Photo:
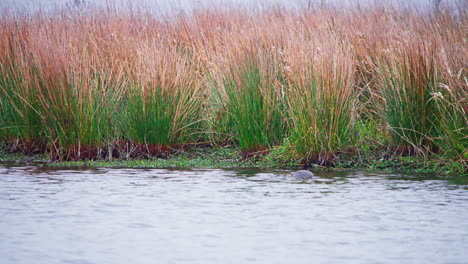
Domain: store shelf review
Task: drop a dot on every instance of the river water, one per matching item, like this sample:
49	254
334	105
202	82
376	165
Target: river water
228	216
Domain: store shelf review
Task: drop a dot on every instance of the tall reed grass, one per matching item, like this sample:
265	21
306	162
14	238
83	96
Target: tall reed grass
410	76
165	103
19	119
254	103
321	98
86	82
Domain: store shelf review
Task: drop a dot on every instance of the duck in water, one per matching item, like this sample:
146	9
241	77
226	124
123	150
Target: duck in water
302	175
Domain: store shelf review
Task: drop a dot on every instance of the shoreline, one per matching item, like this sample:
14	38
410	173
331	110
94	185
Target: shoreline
229	157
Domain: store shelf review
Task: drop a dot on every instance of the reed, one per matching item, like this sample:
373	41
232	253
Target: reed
451	95
254	103
20	122
410	76
452	129
165	103
451	100
56	99
321	98
86	82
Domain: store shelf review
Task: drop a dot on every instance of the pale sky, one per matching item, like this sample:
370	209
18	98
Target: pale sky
33	5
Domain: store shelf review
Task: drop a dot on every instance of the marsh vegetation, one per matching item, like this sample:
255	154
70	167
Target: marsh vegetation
312	83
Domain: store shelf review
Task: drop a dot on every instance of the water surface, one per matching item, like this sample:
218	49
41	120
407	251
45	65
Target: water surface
228	216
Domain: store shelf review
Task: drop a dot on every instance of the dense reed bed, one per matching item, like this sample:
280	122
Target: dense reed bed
95	83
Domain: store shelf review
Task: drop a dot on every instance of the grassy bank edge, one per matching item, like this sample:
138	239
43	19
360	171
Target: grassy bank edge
229	157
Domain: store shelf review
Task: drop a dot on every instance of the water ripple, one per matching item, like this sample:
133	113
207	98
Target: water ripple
228	216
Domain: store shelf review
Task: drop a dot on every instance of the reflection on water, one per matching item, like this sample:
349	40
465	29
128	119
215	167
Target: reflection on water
228	216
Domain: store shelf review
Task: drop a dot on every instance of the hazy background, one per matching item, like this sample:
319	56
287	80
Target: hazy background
187	5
